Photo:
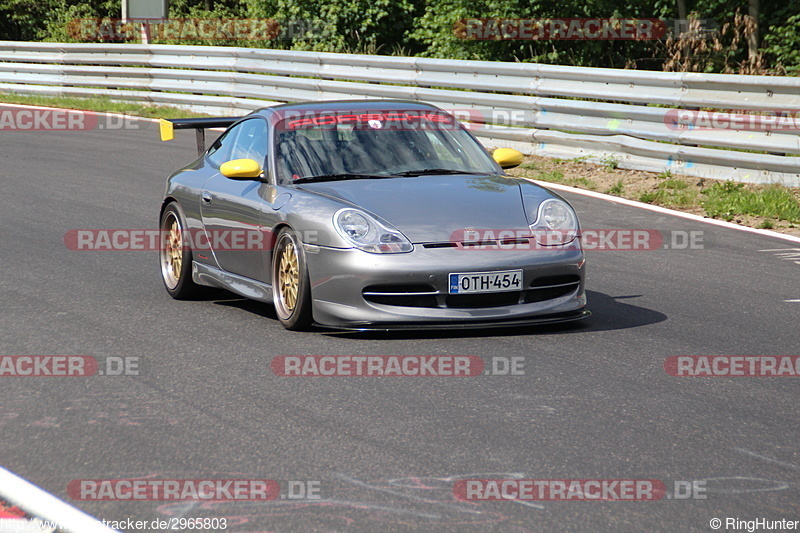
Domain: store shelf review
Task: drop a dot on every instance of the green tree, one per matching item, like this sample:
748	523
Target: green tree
782	45
435	29
378	26
36	20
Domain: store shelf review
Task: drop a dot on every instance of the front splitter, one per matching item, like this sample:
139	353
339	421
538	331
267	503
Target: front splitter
466	325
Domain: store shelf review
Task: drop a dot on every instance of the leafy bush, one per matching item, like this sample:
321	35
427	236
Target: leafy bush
426	28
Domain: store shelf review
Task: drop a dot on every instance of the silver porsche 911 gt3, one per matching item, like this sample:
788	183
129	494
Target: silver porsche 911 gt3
368	215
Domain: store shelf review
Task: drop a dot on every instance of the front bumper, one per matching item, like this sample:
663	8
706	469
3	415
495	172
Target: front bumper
553	288
468	325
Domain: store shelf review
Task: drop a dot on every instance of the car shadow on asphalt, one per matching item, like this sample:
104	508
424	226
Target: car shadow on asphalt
608	313
229	299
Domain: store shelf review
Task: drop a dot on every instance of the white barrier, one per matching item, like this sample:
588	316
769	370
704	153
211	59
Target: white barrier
540	109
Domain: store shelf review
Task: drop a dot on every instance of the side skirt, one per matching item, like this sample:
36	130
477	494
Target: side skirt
214	277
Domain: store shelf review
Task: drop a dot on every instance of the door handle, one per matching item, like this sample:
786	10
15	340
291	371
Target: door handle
206	197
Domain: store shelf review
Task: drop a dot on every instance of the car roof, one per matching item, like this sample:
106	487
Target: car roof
347	105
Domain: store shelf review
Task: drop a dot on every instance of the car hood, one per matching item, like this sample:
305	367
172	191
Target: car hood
435	208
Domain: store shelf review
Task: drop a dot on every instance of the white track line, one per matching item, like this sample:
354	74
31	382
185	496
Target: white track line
765	458
557	186
129	117
132	117
664	210
44	505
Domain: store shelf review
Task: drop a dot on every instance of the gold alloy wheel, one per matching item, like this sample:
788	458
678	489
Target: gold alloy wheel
172	251
290	286
288	277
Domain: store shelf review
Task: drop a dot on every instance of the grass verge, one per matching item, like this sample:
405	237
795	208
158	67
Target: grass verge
727	200
101	104
760	206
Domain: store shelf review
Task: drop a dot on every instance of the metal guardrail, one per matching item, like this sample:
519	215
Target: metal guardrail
551	110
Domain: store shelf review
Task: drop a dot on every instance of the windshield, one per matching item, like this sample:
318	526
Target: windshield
376	144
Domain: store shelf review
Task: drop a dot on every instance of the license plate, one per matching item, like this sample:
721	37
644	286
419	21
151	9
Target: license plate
475	282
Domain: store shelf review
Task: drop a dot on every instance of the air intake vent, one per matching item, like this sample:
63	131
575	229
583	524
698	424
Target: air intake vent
547	288
440	245
402	295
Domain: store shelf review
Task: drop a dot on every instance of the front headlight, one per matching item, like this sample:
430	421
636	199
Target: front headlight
556	223
367	233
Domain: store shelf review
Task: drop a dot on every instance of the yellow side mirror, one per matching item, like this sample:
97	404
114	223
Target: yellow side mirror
507	157
240	168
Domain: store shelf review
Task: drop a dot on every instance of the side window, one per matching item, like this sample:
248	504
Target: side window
221	149
246	140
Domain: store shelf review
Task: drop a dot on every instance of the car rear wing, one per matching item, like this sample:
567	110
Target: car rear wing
200	125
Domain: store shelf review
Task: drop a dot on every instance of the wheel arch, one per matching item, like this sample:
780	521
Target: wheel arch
168	200
300	316
273	239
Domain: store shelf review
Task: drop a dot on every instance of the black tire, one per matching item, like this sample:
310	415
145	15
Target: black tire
175	256
291	290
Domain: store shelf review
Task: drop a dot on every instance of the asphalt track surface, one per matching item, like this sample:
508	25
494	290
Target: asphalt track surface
595	401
